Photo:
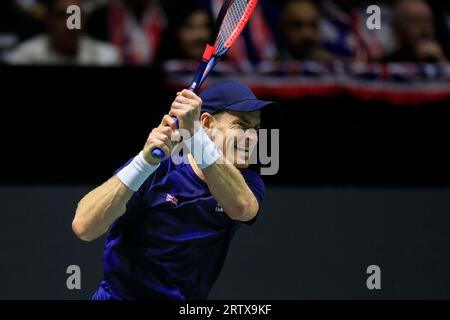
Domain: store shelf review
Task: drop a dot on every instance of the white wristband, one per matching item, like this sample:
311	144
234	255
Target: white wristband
204	151
136	172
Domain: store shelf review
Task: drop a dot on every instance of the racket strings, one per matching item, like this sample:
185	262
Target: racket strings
234	21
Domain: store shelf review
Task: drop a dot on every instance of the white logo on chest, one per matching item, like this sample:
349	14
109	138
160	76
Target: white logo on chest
219	209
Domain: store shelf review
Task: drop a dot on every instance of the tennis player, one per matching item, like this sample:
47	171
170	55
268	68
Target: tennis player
170	222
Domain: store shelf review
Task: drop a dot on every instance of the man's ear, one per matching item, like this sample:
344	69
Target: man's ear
207	121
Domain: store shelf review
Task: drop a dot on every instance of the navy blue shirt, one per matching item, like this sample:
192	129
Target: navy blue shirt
173	239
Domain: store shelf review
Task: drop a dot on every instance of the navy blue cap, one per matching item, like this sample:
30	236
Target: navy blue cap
231	95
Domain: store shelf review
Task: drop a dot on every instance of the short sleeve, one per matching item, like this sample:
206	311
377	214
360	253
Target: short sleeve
256	184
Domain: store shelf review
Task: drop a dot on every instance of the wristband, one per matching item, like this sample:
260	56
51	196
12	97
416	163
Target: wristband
136	172
204	151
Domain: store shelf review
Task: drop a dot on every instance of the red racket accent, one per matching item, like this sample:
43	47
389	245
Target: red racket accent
234	22
209	52
242	22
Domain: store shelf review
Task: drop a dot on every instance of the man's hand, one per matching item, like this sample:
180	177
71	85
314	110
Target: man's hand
164	137
186	107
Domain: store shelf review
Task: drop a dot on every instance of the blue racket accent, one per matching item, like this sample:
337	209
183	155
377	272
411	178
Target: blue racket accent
209	67
201	72
158	153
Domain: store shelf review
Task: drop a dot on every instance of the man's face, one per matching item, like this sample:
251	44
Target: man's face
236	134
415	23
300	28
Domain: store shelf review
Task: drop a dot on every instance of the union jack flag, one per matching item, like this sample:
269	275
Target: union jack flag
171	199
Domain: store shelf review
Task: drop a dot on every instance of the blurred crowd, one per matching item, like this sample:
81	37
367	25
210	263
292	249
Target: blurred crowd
143	32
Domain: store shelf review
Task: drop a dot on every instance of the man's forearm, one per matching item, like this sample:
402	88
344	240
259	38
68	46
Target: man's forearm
229	188
100	208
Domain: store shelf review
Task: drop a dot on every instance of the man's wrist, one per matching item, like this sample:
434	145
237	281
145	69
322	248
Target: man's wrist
203	150
149	158
136	172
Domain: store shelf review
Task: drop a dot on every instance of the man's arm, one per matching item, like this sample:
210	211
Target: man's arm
100	208
229	188
97	211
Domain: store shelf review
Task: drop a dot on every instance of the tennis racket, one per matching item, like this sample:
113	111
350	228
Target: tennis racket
230	23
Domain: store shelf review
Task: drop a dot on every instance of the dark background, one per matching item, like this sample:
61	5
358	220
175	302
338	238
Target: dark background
309	243
360	183
77	125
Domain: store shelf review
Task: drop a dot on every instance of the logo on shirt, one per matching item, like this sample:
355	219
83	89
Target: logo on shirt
173	200
219	209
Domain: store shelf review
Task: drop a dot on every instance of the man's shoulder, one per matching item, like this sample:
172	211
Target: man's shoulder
253	179
251	173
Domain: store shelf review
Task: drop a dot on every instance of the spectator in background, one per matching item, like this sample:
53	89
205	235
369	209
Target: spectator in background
61	45
441	10
344	32
136	27
300	31
190	26
415	33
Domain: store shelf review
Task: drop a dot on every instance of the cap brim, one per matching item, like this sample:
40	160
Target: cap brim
250	105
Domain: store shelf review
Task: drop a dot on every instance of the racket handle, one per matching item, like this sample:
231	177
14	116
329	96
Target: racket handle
157	152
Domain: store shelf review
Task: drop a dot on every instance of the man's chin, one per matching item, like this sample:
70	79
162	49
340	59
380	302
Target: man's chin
242	166
240	161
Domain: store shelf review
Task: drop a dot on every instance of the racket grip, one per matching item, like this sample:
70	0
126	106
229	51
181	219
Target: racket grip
157	152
